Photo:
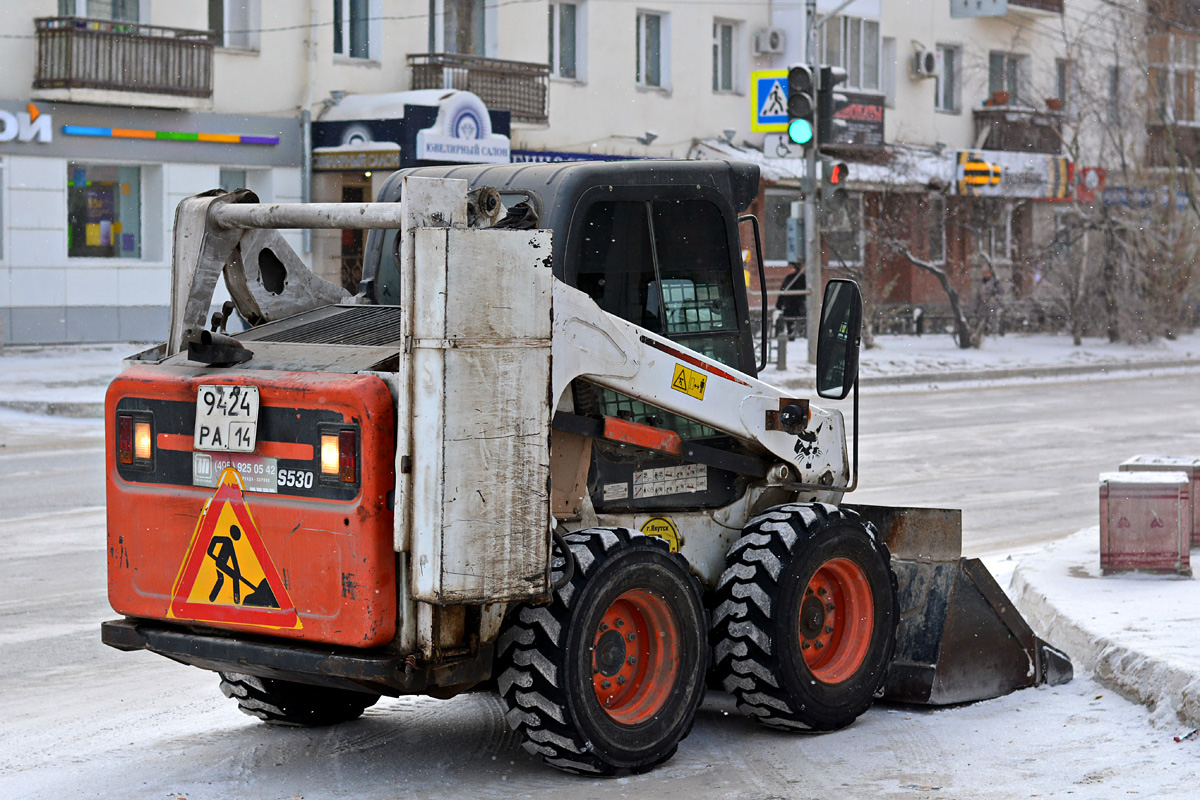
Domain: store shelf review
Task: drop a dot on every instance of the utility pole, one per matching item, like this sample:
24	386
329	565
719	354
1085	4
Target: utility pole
811	187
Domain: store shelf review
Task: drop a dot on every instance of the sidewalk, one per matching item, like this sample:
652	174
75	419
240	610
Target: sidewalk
1144	644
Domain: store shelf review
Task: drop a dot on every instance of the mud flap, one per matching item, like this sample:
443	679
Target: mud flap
959	637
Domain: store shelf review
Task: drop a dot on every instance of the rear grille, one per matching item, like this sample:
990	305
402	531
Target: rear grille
368	326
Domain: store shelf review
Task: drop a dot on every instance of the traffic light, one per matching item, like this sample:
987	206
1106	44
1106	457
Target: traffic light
829	103
801	104
834	175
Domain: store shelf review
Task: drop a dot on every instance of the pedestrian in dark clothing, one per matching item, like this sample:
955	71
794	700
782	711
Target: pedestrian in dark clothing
792	307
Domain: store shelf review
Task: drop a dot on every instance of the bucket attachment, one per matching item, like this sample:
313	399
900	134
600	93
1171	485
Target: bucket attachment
959	637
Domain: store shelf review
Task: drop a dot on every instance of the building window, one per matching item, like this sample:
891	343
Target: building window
854	44
232	179
1115	96
122	10
466	24
1	210
842	232
937	228
889	71
1009	72
1066	82
653	56
777	210
565	30
723	56
995	237
104	211
1173	61
352	28
234	23
947	90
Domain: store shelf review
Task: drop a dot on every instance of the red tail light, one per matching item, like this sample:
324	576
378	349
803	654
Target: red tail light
125	439
348	456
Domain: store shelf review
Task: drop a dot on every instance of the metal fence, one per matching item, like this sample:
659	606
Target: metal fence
516	86
81	53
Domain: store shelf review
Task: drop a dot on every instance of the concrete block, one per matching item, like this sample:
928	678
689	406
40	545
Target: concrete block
1145	522
1187	464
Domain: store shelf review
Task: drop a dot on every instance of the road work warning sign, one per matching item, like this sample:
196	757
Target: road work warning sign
227	575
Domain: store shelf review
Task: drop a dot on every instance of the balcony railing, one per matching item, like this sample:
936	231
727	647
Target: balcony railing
1019	129
514	86
79	53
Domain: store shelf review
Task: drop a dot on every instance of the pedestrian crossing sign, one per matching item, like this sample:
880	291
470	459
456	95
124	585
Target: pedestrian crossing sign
768	96
227	575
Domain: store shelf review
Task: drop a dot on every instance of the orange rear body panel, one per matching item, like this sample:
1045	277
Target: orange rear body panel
294	557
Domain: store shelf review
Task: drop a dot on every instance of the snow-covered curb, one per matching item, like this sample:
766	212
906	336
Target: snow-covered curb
1136	634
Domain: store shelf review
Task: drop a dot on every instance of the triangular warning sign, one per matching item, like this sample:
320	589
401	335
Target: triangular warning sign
775	103
227	575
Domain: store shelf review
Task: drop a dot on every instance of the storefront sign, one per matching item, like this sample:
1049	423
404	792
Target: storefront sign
995	173
352	160
463	133
863	116
26	126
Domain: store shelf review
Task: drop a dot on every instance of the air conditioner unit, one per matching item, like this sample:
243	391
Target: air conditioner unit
926	64
769	41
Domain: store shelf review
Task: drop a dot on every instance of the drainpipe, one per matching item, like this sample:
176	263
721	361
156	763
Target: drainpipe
310	89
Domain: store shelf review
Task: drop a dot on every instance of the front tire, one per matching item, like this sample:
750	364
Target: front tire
607	679
805	619
297	704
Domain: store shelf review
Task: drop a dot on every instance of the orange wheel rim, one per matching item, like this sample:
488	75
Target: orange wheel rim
836	620
635	657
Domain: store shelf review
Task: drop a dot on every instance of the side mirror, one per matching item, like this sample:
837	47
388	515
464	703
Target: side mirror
838	339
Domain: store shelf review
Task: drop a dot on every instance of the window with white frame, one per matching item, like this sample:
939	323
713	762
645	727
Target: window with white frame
842	232
653	49
566	40
120	10
937	228
356	31
995	235
1174	58
854	44
104	211
1009	72
1066	80
947	88
234	23
724	58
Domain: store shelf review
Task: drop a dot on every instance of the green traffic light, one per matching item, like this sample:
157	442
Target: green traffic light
800	131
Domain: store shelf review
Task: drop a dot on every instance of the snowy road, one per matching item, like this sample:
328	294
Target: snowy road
81	720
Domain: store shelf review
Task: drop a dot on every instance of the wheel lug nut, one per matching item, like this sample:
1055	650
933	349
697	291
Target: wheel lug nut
620	622
829	606
818	645
620	680
629	637
804	645
631	660
821	591
603	626
605	685
829	629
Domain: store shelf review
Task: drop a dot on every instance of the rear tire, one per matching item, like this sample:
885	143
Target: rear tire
805	619
299	704
606	680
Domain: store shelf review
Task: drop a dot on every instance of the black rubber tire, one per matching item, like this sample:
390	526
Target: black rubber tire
547	656
299	704
758	636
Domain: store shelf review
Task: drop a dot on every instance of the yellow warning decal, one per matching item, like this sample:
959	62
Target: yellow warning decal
662	528
689	381
227	575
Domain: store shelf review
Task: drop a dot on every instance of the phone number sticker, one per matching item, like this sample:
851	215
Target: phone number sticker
259	473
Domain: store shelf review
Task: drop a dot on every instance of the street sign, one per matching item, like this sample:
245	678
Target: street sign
777	145
768	99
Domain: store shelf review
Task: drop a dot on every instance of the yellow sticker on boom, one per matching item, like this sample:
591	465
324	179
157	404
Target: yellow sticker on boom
689	381
662	528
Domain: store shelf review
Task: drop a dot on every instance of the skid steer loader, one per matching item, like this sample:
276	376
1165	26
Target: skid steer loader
530	455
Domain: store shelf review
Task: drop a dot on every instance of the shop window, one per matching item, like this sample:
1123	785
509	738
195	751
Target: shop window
842	232
121	10
234	23
104	211
854	44
947	91
653	56
566	40
354	22
724	36
777	209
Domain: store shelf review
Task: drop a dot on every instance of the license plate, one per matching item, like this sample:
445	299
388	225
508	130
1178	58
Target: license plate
259	473
226	418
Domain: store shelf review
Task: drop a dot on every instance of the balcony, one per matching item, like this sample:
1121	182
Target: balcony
122	63
1018	129
515	86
